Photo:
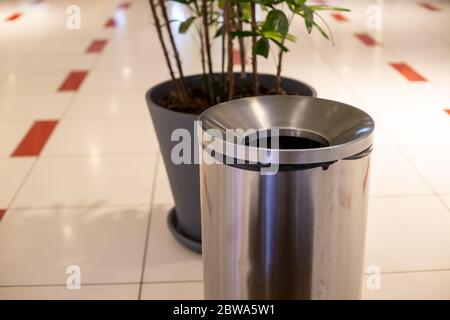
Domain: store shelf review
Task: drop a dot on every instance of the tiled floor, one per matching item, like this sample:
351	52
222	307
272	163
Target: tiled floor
95	193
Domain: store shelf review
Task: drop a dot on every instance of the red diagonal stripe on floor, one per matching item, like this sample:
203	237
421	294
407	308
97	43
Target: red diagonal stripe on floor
14	16
408	72
366	39
448	111
111	23
124	5
2	213
35	139
73	81
338	16
429	6
237	57
96	46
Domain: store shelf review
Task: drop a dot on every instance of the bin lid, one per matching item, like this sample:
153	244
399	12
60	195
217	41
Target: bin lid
332	130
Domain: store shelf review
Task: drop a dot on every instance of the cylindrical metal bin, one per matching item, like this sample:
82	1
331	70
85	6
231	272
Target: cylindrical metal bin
296	231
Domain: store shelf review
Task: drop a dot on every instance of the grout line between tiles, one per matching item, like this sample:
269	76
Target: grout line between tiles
147	233
71	207
63	285
92	284
22	183
410	271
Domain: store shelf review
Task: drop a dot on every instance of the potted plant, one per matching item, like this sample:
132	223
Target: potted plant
176	103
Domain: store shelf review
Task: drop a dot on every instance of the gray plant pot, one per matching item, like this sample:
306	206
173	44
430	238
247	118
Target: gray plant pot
184	220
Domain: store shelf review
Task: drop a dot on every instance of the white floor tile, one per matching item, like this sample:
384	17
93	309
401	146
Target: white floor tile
12	173
57	62
163	193
37	246
386	176
103	136
446	199
111	104
173	291
9	62
431	285
34	106
11	134
168	260
88	181
408	234
30	82
97	292
432	162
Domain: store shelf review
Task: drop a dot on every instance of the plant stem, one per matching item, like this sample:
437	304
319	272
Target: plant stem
223	57
240	16
254	61
202	52
278	81
280	62
175	51
163	45
228	30
208	50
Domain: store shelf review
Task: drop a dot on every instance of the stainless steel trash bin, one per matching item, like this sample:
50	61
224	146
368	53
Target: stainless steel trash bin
297	233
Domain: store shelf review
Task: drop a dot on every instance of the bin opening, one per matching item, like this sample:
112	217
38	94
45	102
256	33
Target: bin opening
287	139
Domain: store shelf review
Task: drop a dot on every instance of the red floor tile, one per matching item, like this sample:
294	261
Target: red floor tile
14	16
366	39
237	57
111	23
408	72
124	5
96	46
35	139
73	81
2	213
448	111
338	17
429	6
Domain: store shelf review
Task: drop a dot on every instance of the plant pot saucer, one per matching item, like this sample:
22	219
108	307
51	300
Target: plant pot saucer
176	231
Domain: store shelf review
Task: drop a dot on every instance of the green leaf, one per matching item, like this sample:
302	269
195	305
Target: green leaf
262	47
322	31
219	32
242	34
276	21
184	26
273	35
186	2
291	37
280	45
325	7
309	18
296	3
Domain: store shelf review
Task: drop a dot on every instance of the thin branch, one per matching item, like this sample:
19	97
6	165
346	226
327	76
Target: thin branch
164	47
202	52
280	62
254	61
228	30
240	16
208	50
175	50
